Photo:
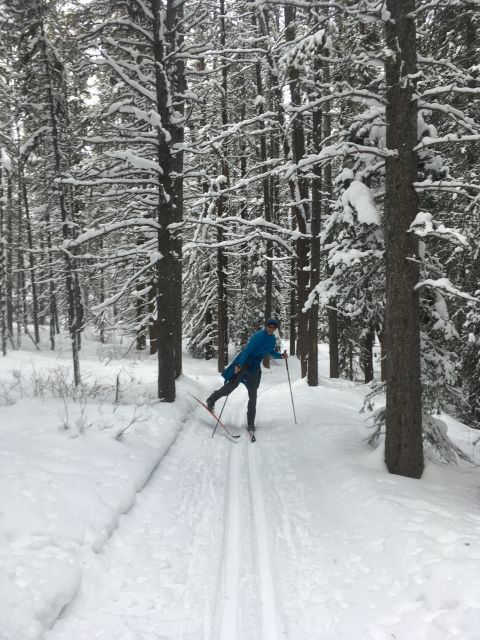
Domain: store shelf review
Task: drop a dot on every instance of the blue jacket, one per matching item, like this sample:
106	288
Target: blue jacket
259	346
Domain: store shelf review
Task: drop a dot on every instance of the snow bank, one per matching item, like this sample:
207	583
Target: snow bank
67	476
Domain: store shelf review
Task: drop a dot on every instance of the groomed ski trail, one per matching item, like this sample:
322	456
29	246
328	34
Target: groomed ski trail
191	560
272	627
246	546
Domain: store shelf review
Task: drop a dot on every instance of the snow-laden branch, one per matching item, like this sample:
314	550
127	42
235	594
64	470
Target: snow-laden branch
456	114
28	145
128	24
452	88
362	94
229	220
444	285
424	225
95	182
137	162
235	242
92	234
445	185
109	301
136	86
337	151
427	141
232	129
443	4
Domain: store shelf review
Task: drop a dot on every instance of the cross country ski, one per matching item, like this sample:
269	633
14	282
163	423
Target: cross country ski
228	432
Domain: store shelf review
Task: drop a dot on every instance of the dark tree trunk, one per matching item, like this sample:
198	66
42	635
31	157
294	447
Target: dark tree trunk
31	261
209	351
3	264
141	311
403	444
9	257
166	267
293	308
102	298
222	314
380	336
333	336
367	355
312	375
267	207
334	356
300	193
174	16
65	216
222	317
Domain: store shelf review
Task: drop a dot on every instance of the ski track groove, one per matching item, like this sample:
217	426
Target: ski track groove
272	627
229	581
245	508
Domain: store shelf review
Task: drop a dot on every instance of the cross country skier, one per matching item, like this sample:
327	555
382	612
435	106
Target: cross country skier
246	368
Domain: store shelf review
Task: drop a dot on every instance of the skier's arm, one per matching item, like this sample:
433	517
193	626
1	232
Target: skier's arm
243	355
277	355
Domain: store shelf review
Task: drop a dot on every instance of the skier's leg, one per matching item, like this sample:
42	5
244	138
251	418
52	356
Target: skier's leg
227	388
252	382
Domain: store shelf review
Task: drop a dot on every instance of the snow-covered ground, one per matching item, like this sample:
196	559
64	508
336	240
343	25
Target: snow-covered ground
126	521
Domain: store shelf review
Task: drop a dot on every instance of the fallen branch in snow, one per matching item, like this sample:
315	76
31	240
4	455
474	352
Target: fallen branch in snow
133	421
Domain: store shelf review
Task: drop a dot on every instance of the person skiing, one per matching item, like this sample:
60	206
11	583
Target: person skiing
246	368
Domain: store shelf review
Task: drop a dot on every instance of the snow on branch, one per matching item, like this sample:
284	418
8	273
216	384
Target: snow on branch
450	137
33	140
455	186
136	86
92	234
425	225
451	88
109	301
356	94
337	151
224	222
235	242
441	4
135	161
232	129
359	197
444	285
117	22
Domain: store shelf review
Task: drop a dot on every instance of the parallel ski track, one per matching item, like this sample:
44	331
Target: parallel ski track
229	604
272	628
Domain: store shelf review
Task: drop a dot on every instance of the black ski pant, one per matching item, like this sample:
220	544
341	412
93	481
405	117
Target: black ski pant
252	382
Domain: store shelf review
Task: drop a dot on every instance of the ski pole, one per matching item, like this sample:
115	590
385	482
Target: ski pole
220	416
291	394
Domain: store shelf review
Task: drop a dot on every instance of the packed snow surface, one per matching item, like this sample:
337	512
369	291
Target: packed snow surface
122	519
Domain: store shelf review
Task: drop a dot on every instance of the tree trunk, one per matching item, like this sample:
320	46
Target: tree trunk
333	346
267	206
367	355
66	220
300	197
403	444
174	16
380	335
333	337
9	256
166	268
222	315
31	261
3	264
293	308
312	375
